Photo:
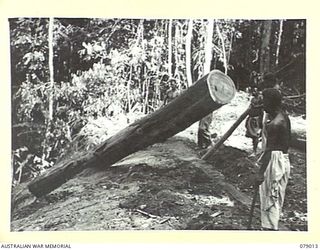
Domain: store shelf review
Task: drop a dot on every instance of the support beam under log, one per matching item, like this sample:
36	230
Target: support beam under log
206	95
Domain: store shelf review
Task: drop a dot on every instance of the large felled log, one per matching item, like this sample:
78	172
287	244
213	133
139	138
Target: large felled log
206	95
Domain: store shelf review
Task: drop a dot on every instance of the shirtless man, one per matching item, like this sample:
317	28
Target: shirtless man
274	162
256	119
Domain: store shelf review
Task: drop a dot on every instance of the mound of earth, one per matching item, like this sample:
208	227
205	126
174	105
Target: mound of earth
167	186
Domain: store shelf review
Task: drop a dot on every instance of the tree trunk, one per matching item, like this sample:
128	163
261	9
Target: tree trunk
50	45
279	42
265	47
206	95
176	52
170	48
146	100
230	47
188	53
225	63
208	47
46	148
129	90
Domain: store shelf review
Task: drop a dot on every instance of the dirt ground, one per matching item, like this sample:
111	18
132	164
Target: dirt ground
166	187
163	187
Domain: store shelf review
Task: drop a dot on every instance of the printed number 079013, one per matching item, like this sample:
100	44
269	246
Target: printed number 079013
308	246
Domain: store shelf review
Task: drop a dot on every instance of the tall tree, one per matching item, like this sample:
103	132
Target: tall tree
225	60
50	45
265	46
189	53
208	47
170	48
279	41
46	146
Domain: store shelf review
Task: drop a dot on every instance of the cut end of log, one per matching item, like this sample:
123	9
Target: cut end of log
221	87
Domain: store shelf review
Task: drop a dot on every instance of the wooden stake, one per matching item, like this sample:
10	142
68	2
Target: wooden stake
254	200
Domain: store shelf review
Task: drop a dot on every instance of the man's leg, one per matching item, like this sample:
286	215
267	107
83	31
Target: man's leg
204	138
204	135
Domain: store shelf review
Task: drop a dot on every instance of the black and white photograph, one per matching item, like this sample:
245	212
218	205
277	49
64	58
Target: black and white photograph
158	124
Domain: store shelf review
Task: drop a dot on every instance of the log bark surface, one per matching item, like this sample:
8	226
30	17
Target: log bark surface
206	95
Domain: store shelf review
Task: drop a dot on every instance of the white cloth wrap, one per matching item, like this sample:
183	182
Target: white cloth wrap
272	190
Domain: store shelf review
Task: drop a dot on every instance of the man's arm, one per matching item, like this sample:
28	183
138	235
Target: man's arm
273	130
